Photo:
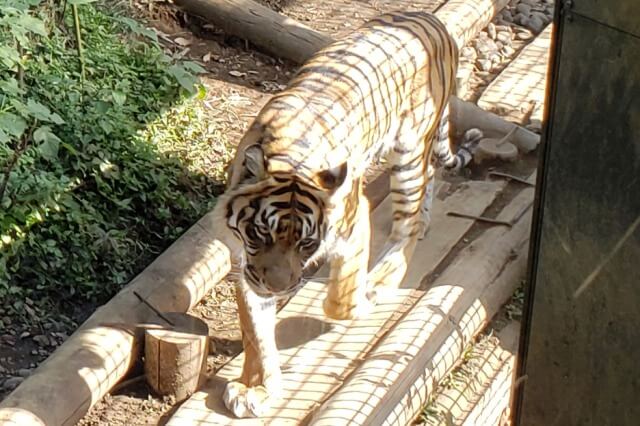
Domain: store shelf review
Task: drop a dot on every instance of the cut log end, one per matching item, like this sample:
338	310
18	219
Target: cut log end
175	359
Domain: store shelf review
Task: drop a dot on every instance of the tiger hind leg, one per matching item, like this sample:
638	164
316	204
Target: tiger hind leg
261	381
347	291
445	157
427	203
409	183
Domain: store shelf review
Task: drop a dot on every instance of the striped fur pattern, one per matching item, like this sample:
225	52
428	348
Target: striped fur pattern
296	185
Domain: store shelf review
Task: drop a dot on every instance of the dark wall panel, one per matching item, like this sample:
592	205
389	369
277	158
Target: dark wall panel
581	352
621	14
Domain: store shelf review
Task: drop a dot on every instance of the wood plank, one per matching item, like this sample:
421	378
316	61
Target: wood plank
523	81
496	398
484	392
401	371
317	353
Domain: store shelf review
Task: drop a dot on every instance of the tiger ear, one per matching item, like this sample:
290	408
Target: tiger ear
331	179
254	162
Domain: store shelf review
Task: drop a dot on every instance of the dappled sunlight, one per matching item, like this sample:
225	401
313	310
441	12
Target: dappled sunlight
524	81
479	393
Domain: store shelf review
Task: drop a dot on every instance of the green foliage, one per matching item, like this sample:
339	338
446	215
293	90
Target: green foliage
88	196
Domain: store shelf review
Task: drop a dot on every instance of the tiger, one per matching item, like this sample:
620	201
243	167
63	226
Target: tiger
295	187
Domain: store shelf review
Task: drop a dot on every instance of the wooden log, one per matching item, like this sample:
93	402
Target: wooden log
175	359
271	31
465	115
484	393
399	374
98	355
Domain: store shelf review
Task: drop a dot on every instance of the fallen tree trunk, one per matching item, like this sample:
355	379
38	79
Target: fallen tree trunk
289	39
271	31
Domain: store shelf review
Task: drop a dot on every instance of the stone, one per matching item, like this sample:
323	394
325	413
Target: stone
507	51
544	18
484	47
483	64
523	8
504	37
524	35
503	28
469	53
24	372
41	340
535	24
507	16
491	30
11	383
521	19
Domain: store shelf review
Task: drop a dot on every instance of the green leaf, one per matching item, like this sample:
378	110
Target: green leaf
39	111
32	24
4	138
186	80
9	56
77	2
119	98
49	143
193	67
138	29
56	119
10	86
12	124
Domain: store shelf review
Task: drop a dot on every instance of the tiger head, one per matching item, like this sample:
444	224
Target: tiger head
281	217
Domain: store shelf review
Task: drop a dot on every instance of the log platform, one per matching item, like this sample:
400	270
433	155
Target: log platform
383	368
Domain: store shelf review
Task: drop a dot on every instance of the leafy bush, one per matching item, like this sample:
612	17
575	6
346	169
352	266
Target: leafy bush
87	195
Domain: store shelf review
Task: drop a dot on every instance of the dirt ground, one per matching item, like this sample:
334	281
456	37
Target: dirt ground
239	80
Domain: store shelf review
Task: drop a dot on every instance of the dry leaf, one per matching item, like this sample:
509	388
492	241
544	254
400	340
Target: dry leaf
182	41
207	57
237	73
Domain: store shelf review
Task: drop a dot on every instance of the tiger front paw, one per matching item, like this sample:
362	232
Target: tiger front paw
244	401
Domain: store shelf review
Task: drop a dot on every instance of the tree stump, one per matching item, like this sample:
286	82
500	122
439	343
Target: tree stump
176	357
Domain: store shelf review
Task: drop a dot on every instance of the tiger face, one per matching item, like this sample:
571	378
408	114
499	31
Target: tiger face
281	221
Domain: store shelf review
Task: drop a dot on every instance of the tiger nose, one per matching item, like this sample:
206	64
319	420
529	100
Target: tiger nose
281	278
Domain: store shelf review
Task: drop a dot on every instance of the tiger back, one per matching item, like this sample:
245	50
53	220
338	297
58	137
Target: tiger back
295	190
